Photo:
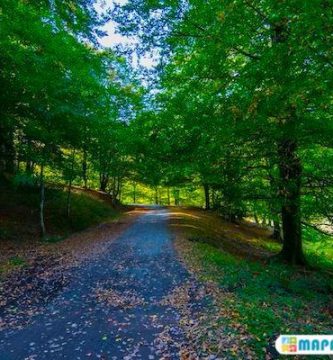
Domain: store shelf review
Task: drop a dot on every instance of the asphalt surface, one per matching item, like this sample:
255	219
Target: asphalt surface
113	306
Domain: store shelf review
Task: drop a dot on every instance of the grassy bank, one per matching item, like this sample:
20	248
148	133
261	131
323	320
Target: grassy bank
19	218
268	298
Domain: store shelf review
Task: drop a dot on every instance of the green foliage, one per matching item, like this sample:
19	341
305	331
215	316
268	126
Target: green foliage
244	104
65	101
185	195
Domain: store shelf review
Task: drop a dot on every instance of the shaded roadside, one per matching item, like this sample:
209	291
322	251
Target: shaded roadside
258	300
26	289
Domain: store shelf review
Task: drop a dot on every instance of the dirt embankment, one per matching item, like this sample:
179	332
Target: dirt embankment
242	240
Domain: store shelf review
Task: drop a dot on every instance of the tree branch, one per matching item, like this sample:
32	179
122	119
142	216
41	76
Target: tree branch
316	228
245	53
256	10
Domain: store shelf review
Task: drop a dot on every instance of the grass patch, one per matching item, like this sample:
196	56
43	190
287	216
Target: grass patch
16	261
53	239
12	263
269	299
19	215
85	211
318	248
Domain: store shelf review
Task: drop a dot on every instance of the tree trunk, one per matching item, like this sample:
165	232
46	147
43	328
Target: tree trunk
134	192
168	196
207	198
256	218
214	199
177	197
42	201
7	149
232	218
104	180
156	196
290	180
289	163
115	190
118	189
84	169
29	167
69	188
276	231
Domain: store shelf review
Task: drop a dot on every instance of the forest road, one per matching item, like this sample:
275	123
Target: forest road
118	305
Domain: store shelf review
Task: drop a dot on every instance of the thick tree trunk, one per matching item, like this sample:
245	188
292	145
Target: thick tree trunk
290	179
207	197
42	201
289	163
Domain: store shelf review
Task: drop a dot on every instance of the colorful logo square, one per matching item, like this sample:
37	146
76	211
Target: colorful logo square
292	348
289	344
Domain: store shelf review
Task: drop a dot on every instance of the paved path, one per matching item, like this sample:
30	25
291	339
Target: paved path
112	308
